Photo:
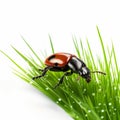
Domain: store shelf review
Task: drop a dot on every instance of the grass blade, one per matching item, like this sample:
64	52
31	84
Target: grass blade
51	44
13	62
103	49
32	50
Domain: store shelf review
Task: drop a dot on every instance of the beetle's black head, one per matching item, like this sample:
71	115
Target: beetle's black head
85	73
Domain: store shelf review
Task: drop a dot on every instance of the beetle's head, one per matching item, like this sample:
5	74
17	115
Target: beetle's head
85	73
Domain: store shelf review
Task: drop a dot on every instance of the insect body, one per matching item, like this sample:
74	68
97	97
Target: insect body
69	64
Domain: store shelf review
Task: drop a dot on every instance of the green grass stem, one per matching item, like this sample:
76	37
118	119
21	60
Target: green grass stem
98	100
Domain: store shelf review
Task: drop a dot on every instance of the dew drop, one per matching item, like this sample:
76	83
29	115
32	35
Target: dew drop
102	110
84	90
59	99
57	102
102	117
110	104
73	102
77	116
47	88
93	94
104	104
86	115
115	109
65	105
115	88
99	104
89	111
96	107
114	113
71	106
100	90
104	95
72	91
110	110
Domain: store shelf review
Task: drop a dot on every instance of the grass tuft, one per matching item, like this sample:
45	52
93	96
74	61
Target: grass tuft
98	100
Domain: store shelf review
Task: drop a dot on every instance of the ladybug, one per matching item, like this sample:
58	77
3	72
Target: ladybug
67	63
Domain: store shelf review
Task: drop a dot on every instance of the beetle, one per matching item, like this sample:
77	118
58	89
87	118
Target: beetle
67	63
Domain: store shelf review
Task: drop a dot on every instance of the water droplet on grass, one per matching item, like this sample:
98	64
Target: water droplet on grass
102	110
89	111
109	103
86	115
71	106
59	99
57	102
84	90
99	104
96	107
65	106
112	107
72	91
115	88
102	117
93	94
100	90
104	104
110	110
77	116
114	113
47	88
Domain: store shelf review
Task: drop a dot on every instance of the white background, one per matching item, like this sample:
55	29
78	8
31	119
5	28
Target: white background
35	19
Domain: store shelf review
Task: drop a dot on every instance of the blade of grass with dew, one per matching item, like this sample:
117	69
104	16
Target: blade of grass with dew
109	84
82	101
26	59
103	49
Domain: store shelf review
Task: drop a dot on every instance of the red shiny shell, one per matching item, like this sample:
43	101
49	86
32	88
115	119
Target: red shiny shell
58	59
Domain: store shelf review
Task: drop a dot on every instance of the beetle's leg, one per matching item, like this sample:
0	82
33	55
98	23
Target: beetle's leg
43	72
62	78
98	72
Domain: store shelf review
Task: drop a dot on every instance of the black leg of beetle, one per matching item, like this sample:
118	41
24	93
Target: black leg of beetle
98	72
62	78
43	73
41	70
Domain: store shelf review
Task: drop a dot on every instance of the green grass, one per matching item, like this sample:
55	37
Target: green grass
98	100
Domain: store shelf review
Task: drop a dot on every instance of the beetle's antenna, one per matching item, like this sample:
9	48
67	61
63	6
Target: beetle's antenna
98	72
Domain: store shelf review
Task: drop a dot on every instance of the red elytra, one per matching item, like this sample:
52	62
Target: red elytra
58	59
